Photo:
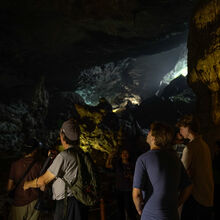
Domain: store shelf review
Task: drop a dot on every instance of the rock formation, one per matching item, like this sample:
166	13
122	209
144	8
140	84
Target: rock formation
204	66
204	59
103	131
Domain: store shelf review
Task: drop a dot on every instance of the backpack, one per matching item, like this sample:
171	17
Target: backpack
85	188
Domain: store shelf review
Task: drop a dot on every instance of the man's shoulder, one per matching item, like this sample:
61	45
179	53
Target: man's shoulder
198	141
18	161
68	153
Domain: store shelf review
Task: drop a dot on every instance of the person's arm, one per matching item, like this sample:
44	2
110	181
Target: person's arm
138	200
51	173
10	185
138	182
108	163
187	160
39	182
184	194
185	187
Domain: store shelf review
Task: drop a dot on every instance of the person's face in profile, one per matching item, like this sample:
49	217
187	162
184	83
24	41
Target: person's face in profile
179	136
184	131
150	138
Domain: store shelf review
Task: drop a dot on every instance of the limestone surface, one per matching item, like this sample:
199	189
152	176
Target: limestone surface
204	58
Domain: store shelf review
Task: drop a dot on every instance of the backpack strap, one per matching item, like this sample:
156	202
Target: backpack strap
67	185
65	201
24	175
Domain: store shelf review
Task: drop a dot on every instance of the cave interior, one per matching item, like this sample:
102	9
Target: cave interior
114	66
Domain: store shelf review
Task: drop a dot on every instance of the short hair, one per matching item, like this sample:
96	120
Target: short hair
163	134
189	121
124	149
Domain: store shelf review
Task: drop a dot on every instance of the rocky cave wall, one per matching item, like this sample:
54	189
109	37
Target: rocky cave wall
204	65
55	39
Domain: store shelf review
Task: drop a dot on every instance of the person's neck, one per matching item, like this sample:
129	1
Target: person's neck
191	137
66	146
154	147
125	161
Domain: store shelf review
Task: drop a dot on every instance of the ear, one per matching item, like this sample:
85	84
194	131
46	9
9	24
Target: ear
61	137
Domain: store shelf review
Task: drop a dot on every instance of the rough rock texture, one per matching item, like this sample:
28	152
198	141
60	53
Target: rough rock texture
171	103
204	66
104	131
40	116
204	58
23	117
58	39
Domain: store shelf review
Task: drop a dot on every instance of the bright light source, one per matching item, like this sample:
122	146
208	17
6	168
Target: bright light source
179	69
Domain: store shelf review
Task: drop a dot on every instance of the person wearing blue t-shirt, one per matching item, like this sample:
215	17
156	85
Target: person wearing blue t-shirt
160	183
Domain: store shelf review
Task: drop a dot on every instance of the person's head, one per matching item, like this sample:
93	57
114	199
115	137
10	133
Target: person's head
69	133
188	126
160	135
124	154
31	146
179	136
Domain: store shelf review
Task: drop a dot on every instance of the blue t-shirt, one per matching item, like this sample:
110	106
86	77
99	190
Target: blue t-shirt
160	175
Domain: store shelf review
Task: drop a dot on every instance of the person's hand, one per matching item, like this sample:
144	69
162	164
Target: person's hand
140	208
26	186
139	212
52	154
108	163
112	155
42	188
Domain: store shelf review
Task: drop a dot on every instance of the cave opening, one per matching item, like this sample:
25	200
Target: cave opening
133	78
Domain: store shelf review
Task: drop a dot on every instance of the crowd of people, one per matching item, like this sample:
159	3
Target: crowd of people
173	180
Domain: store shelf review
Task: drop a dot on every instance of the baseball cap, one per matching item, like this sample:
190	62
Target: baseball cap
70	129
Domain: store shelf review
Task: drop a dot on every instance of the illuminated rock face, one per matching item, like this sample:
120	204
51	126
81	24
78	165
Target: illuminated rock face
103	131
92	135
204	59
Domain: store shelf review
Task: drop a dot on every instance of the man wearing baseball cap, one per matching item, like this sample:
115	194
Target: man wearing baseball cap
65	167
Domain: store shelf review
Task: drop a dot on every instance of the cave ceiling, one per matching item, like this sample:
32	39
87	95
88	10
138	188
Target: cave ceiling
59	39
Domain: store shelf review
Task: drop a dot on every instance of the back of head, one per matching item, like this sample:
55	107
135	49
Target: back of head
189	121
30	146
70	131
163	134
